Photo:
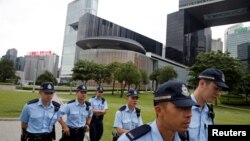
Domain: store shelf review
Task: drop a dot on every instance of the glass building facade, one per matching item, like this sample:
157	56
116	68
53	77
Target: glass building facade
186	38
69	53
235	37
244	55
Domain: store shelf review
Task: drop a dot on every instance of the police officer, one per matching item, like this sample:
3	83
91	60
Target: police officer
99	106
211	83
128	116
172	104
39	116
79	113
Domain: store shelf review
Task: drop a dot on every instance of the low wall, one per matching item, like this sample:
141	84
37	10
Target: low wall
7	87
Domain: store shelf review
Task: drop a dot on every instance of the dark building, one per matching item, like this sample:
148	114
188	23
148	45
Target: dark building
188	29
93	31
244	55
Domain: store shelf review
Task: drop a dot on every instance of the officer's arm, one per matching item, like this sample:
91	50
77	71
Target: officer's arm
24	125
118	123
65	128
88	120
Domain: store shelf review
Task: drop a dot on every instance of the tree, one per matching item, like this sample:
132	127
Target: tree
163	74
45	77
231	68
128	73
83	70
101	74
154	77
166	73
144	77
7	70
113	68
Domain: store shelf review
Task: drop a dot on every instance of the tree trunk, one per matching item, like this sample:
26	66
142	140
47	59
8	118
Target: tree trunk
113	87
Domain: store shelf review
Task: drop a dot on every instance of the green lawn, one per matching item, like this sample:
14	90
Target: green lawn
12	103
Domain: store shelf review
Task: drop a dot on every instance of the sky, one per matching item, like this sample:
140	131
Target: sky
38	25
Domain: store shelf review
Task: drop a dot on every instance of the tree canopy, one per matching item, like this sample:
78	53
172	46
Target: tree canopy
46	77
232	68
7	70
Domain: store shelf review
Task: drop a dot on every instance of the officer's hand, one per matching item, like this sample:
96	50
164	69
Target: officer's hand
66	130
86	128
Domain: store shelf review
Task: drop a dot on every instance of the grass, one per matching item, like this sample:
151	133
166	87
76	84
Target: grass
12	103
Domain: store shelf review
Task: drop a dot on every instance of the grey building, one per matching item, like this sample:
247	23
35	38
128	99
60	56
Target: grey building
235	37
70	51
11	54
103	42
20	62
188	30
243	53
217	44
35	65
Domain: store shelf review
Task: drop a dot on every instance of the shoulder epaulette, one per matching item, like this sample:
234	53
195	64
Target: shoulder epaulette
87	105
103	100
184	136
122	108
33	101
138	132
138	111
71	101
56	105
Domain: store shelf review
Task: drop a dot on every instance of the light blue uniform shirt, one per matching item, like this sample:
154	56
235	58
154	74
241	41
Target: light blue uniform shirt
198	128
76	114
127	120
40	119
152	135
97	103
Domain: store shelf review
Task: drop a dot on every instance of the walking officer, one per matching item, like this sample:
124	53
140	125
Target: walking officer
79	113
99	106
128	116
211	84
172	105
39	116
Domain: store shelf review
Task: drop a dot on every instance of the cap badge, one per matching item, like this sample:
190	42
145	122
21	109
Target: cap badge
135	92
184	90
83	87
223	77
49	86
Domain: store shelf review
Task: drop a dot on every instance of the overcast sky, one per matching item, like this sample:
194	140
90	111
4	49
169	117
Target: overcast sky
38	25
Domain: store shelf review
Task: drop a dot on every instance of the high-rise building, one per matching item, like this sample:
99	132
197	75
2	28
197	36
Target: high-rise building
20	62
235	36
103	42
243	53
188	30
36	64
11	54
217	44
70	51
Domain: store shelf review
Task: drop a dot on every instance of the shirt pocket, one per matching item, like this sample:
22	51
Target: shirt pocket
126	124
194	129
74	115
135	122
53	117
36	119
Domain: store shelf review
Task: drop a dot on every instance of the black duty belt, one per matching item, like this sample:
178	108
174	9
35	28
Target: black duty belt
39	136
76	130
97	117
